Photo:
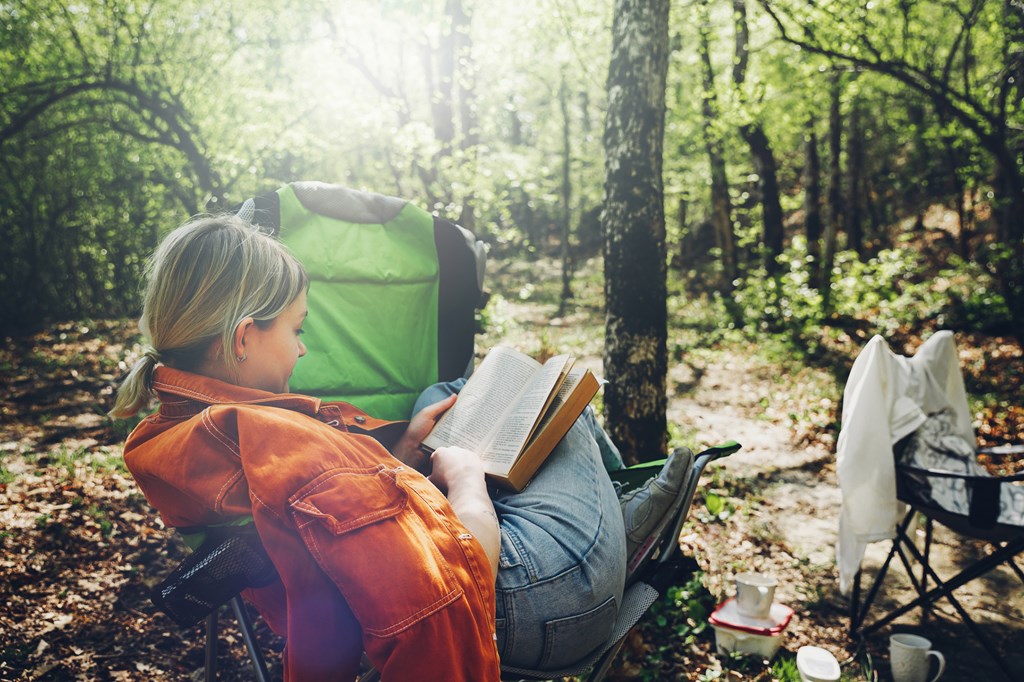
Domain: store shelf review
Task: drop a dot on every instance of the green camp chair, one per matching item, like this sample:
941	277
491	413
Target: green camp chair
391	311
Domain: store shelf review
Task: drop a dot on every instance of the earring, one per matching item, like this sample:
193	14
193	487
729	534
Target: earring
242	357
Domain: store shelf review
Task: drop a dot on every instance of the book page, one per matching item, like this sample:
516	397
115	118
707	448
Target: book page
490	391
505	444
571	379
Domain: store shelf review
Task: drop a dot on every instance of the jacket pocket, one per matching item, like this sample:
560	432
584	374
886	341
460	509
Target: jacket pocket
364	532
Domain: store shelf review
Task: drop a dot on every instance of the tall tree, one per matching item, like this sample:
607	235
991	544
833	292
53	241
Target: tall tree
812	204
754	135
633	221
853	223
566	219
721	205
835	186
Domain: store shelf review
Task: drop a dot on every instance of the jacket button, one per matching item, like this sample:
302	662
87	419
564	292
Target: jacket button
360	419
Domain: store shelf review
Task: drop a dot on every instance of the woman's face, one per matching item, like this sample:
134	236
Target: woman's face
272	351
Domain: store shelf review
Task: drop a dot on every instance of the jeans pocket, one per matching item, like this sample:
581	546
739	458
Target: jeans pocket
568	641
358	525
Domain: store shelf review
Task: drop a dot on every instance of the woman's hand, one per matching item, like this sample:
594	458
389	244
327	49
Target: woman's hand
459	474
454	470
407	449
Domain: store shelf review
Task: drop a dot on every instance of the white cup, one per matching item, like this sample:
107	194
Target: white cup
755	593
908	658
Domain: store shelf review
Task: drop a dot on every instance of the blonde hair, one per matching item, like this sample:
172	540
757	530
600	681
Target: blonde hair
203	280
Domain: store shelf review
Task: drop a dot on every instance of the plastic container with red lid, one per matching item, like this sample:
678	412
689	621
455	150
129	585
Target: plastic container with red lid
758	636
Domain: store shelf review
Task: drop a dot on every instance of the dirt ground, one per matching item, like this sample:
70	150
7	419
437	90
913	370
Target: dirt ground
80	547
790	526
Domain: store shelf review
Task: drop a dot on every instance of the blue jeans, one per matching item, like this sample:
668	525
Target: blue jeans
562	565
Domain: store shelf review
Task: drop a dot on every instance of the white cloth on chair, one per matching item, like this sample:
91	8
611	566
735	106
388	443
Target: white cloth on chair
887	397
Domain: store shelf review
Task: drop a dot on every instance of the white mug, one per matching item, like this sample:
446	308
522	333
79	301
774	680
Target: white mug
908	658
755	593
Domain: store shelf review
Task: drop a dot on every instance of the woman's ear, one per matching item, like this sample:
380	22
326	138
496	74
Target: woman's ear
238	341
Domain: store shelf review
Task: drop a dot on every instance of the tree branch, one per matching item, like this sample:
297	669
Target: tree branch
983	123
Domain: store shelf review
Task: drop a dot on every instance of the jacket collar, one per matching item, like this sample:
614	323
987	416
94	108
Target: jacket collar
184	394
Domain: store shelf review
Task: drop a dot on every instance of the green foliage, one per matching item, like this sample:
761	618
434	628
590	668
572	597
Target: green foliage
784	669
784	303
676	620
68	460
718	507
895	290
103	461
119	119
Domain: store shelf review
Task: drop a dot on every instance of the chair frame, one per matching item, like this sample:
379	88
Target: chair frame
1008	540
658	566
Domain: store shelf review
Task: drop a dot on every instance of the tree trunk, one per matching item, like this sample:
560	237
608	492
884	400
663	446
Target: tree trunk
1008	265
633	221
721	206
768	184
835	189
753	134
566	254
812	205
682	257
853	221
465	77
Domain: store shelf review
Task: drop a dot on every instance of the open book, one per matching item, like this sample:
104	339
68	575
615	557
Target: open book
513	411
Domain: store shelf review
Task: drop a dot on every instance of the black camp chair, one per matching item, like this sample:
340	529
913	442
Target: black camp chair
1007	541
232	559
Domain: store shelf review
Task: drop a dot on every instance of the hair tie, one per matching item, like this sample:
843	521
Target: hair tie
152	354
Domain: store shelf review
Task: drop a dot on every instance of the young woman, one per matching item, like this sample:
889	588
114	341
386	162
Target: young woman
433	577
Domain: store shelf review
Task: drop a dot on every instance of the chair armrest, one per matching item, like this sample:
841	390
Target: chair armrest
1008	449
945	473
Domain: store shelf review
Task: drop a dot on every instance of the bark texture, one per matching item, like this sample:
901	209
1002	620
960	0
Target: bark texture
633	222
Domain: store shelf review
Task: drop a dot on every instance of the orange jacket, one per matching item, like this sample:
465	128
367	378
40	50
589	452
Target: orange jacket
371	555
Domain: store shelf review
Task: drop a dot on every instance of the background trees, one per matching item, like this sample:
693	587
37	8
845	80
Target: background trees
802	144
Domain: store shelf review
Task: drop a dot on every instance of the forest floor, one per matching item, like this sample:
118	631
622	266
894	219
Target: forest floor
80	547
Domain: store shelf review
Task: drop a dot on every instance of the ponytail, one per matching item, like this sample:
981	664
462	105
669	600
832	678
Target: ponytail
136	391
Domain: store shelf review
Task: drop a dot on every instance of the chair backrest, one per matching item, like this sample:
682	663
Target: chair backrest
392	304
937	472
393	293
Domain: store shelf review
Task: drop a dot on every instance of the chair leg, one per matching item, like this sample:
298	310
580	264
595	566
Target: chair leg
211	647
854	604
859	615
1016	569
249	637
945	589
926	607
